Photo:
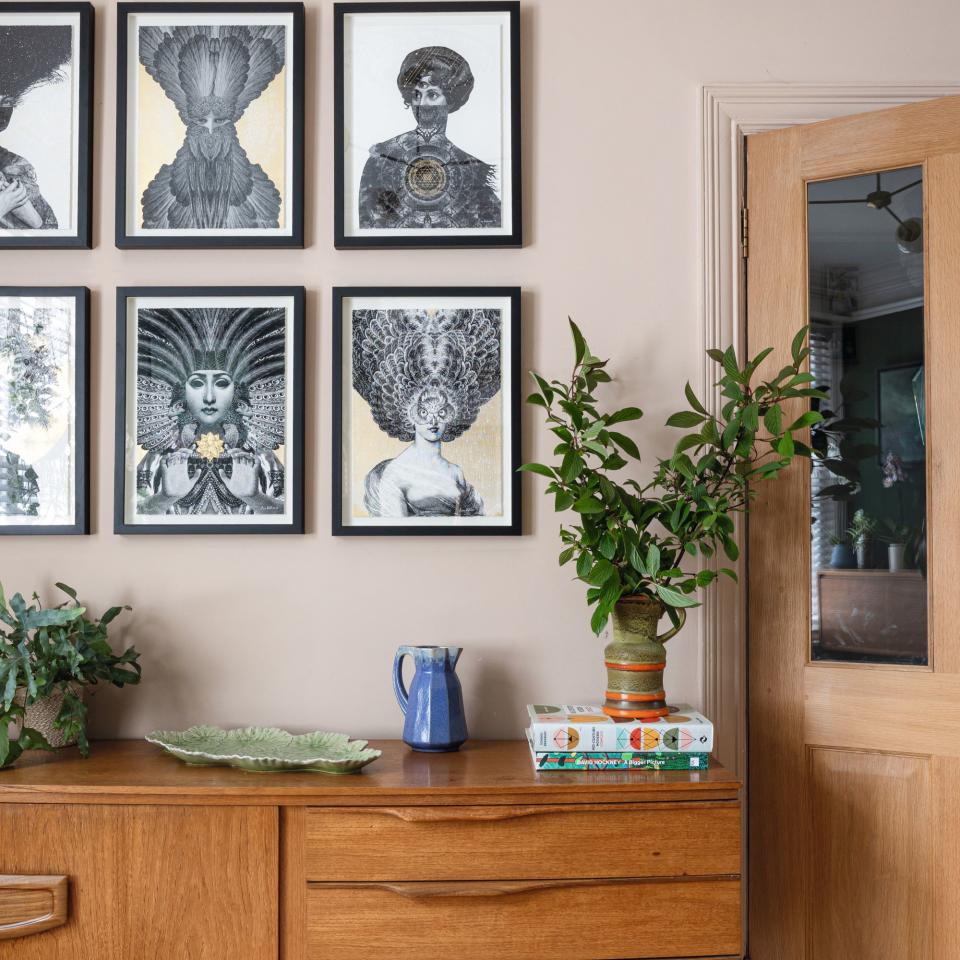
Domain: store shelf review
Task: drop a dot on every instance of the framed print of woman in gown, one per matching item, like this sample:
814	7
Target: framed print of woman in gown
427	124
209	410
46	92
426	410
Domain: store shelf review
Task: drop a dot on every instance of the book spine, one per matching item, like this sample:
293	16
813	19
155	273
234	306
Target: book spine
623	737
556	760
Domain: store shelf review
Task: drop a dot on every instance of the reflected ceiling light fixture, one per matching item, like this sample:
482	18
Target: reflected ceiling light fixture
909	232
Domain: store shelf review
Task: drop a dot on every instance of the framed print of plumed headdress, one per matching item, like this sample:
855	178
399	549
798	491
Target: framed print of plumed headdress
46	124
426	410
209	410
427	124
210	125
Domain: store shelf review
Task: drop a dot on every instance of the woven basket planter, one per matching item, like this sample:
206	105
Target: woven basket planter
39	716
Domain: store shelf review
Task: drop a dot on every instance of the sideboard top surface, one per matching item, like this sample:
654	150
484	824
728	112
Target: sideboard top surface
482	772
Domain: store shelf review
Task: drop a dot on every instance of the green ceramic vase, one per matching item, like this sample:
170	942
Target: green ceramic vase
636	658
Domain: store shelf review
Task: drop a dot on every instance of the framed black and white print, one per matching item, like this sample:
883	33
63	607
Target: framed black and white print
210	125
426	410
427	124
44	410
209	423
46	116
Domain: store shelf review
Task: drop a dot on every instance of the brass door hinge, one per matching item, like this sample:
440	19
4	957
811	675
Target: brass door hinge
744	232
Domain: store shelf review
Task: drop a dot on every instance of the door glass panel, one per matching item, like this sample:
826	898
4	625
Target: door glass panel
868	584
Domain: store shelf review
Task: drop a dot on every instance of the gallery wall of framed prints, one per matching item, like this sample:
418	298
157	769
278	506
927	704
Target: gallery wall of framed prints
427	124
210	115
44	410
426	410
209	418
210	125
46	124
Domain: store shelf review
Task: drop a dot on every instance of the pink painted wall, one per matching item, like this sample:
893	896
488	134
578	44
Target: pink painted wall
300	631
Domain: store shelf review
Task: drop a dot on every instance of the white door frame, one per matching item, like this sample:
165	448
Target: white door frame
728	113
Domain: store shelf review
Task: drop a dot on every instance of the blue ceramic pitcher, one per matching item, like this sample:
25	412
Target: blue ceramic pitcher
434	706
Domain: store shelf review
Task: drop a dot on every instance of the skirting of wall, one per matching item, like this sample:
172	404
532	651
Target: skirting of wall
728	113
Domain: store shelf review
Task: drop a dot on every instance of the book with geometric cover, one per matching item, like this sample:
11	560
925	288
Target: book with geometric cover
577	728
613	760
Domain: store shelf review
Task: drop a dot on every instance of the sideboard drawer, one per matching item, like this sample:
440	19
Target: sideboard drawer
523	842
527	920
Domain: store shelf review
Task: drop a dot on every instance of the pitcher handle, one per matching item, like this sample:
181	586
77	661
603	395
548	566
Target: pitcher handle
673	631
398	688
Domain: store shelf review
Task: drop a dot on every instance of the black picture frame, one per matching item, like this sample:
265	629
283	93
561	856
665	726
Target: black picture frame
126	240
83	239
511	372
478	240
294	479
81	399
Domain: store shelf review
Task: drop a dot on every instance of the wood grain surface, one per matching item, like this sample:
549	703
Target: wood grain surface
149	883
612	840
585	921
484	771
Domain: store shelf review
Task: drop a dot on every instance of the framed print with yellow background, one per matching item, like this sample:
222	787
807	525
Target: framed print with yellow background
209	422
210	125
426	410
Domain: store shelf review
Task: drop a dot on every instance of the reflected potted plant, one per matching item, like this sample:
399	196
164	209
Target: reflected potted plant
861	532
842	556
633	542
48	656
896	536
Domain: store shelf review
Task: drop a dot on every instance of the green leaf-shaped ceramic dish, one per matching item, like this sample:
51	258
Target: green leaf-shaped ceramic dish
265	749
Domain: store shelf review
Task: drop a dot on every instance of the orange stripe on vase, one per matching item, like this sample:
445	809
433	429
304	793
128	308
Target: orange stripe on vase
636	666
636	714
638	697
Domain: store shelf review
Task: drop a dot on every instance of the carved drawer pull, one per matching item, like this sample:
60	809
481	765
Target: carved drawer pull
483	888
461	814
31	904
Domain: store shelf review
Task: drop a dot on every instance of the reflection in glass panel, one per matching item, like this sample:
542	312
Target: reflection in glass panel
869	588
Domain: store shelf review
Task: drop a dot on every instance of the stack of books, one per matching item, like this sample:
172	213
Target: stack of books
585	738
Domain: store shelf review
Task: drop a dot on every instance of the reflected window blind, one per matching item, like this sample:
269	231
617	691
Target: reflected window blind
827	514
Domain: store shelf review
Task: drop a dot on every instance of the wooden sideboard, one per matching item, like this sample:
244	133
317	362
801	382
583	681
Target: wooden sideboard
466	856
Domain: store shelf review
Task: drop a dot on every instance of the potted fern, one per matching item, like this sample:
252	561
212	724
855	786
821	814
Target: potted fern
644	547
48	656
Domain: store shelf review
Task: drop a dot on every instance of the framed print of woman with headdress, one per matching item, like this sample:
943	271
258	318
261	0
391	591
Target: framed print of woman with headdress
426	413
427	124
209	434
46	95
210	125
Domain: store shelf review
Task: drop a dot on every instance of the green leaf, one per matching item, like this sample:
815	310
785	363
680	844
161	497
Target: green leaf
673	597
653	560
751	417
785	446
69	591
540	468
731	549
571	467
589	504
730	363
599	620
685	418
693	400
797	345
625	443
579	344
621	416
608	546
584	565
602	571
773	420
545	387
563	501
805	420
536	400
566	555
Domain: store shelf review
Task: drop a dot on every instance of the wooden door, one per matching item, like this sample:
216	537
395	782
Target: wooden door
854	763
